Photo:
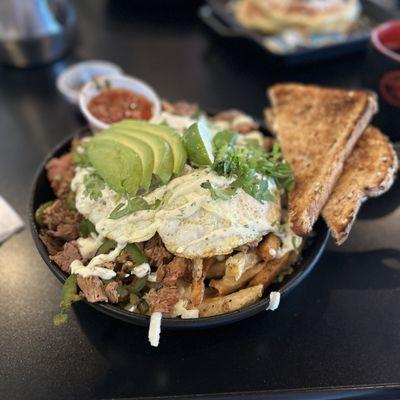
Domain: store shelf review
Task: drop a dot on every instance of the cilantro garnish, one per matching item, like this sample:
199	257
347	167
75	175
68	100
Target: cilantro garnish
132	205
94	184
223	194
81	159
252	168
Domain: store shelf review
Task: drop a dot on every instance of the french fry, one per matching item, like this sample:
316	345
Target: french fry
271	270
216	270
269	247
234	301
228	284
197	292
236	265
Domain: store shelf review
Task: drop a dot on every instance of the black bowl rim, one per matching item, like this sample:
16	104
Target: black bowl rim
318	245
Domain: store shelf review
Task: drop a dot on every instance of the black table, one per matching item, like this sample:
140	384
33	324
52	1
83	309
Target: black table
336	335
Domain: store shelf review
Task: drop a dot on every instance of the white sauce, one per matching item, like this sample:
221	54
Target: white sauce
141	270
88	246
290	241
93	268
152	277
85	271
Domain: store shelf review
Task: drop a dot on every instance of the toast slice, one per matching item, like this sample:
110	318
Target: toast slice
317	129
368	172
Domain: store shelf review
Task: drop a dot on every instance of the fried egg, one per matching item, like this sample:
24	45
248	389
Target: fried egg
189	221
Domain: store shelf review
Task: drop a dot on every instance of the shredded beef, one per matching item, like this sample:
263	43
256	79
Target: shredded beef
111	292
92	288
245	127
241	127
62	222
177	268
64	258
60	172
227	115
156	252
182	108
53	245
164	299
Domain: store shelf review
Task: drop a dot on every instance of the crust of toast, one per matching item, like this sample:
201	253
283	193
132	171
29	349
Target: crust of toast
317	129
368	172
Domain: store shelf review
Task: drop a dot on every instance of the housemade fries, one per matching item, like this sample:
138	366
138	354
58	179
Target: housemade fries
197	292
229	284
231	302
267	275
216	270
269	247
239	263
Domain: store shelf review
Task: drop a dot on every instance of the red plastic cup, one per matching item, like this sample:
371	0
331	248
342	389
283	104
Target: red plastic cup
382	74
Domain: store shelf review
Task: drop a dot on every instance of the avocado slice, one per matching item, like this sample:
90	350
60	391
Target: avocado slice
143	150
163	157
165	133
117	164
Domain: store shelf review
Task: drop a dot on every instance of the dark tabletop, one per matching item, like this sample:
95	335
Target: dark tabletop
339	330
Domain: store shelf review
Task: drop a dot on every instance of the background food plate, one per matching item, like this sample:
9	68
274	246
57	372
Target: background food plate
42	192
217	15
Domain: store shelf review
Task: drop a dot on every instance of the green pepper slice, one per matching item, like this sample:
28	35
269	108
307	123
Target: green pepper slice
106	247
139	285
143	307
86	228
70	201
68	296
39	213
135	254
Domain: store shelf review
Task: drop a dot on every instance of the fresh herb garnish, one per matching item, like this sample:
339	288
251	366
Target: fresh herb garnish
252	168
81	159
68	296
133	204
94	184
222	194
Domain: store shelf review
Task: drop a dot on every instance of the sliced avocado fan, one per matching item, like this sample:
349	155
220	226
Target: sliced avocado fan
143	150
119	166
164	132
163	157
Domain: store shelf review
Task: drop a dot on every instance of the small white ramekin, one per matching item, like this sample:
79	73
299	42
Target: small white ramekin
126	82
73	79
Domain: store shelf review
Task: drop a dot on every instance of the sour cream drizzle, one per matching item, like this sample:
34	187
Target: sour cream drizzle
93	268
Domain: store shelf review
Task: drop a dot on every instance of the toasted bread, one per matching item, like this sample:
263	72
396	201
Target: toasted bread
368	172
317	129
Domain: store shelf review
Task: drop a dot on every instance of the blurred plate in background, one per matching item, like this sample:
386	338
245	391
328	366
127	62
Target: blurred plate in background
218	16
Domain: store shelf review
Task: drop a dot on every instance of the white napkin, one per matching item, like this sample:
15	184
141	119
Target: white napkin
10	221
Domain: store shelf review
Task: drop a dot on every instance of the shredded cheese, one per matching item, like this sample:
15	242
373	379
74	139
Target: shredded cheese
274	300
155	328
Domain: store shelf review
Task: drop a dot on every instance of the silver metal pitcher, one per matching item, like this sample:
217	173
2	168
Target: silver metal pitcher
35	32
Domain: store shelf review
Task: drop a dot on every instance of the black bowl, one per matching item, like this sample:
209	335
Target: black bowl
42	192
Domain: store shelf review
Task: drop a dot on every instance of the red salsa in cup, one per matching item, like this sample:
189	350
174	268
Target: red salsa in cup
116	104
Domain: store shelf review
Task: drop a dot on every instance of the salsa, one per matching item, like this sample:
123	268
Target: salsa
113	105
